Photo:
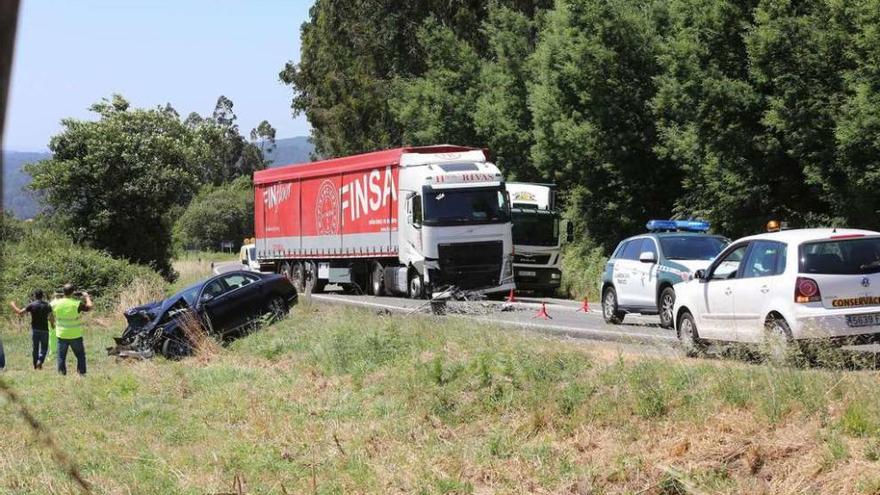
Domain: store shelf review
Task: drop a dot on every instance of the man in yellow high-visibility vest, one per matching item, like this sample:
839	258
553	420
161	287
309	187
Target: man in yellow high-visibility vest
68	327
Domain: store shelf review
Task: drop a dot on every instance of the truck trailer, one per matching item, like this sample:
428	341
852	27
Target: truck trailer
413	221
537	236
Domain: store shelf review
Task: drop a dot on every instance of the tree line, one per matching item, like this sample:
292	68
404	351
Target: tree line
733	111
126	182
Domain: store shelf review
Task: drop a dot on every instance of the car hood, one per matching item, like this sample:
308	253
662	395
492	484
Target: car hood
690	265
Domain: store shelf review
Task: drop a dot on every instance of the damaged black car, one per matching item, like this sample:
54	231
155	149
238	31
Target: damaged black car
225	306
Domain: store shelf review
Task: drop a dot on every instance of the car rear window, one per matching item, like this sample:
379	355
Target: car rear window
841	256
691	247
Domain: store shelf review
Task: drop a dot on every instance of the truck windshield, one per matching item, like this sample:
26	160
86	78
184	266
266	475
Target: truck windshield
691	247
464	206
535	227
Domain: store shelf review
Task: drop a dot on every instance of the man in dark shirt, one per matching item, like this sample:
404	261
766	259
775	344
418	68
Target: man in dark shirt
41	316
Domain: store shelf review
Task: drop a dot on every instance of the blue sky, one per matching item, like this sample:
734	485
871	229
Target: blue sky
69	54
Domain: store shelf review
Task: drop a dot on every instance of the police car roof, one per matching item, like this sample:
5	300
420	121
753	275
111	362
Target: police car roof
676	233
798	236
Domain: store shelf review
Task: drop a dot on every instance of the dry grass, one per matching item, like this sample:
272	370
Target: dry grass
345	401
140	291
204	345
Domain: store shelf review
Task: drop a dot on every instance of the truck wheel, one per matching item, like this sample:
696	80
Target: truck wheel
416	287
665	305
377	279
310	282
609	307
297	277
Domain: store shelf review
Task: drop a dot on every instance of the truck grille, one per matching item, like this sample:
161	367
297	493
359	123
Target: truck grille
471	265
531	259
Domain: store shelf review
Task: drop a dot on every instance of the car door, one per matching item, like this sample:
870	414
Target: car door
216	314
757	285
717	303
645	276
243	298
624	273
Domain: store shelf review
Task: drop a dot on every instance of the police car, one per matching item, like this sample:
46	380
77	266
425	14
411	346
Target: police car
641	274
781	287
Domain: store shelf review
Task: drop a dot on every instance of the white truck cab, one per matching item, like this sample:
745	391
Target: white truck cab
537	236
455	228
248	257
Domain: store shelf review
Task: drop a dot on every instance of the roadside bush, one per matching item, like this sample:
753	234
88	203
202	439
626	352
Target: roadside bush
218	213
42	259
582	260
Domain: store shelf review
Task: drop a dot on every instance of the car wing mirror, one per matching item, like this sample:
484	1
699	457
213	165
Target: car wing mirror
206	297
648	257
700	275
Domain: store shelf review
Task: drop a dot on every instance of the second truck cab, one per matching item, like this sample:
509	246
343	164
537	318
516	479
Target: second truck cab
537	236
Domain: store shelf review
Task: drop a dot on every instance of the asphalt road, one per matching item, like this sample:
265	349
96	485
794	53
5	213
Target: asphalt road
566	319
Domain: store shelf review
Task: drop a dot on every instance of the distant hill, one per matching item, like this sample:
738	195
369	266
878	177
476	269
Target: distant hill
291	150
21	203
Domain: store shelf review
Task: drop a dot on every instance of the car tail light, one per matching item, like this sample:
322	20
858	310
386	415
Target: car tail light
806	290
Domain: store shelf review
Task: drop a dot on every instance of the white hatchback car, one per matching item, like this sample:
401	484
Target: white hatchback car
782	287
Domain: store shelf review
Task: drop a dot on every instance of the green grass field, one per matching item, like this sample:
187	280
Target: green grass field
337	400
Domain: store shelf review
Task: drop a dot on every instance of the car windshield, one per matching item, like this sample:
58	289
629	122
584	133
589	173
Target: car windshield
841	257
189	294
535	227
691	247
463	206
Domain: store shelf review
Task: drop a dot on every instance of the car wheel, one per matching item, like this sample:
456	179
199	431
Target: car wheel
609	307
416	288
377	280
778	346
175	348
665	307
688	337
298	277
277	309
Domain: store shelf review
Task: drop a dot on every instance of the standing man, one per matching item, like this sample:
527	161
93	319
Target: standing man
69	328
41	316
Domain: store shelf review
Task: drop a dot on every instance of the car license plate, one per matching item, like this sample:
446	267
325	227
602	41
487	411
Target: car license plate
527	273
866	320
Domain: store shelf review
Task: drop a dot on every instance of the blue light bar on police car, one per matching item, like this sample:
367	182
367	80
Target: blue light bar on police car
673	225
692	225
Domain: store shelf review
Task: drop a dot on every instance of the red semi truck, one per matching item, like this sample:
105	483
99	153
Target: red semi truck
409	221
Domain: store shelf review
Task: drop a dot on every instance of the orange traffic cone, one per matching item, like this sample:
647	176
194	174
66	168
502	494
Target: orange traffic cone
510	297
585	307
542	313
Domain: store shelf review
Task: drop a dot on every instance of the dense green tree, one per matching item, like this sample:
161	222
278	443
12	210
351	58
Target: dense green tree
111	181
357	55
216	214
223	153
502	116
264	134
438	106
857	132
593	78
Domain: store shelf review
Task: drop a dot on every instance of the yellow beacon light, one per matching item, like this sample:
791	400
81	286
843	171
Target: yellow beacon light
773	226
